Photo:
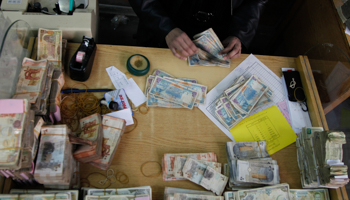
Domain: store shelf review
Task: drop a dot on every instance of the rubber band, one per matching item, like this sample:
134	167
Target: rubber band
295	96
142	112
123	181
152	175
135	125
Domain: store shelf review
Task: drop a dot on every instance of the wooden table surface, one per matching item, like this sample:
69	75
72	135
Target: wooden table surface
164	130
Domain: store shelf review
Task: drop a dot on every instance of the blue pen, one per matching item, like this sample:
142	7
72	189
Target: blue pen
74	90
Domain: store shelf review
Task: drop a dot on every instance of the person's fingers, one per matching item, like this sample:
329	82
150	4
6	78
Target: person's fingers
182	46
228	48
177	54
235	53
191	45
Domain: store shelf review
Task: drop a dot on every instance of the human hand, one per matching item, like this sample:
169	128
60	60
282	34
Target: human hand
233	47
180	44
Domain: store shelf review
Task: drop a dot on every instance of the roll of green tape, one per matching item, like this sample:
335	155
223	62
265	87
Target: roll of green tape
138	65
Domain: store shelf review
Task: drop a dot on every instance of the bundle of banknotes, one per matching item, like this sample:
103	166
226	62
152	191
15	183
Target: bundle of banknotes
209	47
50	46
169	192
168	163
54	101
164	90
53	196
136	193
55	164
320	156
279	191
98	140
35	194
31	82
17	139
240	99
250	165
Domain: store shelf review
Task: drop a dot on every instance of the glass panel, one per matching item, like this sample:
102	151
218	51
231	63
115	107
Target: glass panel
331	70
13	48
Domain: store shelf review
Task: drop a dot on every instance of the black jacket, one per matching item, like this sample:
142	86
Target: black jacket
159	17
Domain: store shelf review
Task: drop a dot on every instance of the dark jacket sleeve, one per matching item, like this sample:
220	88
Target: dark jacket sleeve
245	19
153	17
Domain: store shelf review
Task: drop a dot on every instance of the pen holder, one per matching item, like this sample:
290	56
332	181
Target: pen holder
81	63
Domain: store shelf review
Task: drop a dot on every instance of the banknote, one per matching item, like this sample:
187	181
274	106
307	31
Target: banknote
182	196
194	60
109	197
210	34
138	191
231	111
193	170
153	101
170	191
309	194
257	172
173	92
207	59
161	73
225	118
50	46
230	195
168	161
181	160
206	43
74	193
200	89
280	191
102	192
191	80
214	181
246	150
265	99
249	95
237	84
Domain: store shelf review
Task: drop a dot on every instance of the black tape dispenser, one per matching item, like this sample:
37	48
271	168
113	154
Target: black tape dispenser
80	64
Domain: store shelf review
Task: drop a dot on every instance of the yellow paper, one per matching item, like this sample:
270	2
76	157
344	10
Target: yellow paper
269	125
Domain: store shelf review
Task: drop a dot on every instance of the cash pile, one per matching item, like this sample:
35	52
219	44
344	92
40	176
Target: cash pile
54	196
309	194
17	139
113	129
137	193
320	156
55	164
31	82
168	163
98	140
205	176
240	99
164	90
280	191
72	194
169	192
251	165
209	47
90	139
50	46
54	101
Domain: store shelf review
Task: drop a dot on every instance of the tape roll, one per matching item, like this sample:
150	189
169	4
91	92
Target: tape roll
80	56
138	65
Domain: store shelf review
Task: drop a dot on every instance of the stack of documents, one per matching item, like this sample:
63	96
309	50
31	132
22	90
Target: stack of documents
164	90
251	165
320	156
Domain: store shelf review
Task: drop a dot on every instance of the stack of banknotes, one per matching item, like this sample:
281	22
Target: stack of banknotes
17	139
35	194
54	101
209	47
169	192
168	163
50	46
136	193
98	140
240	99
31	82
55	164
250	165
320	156
41	196
164	90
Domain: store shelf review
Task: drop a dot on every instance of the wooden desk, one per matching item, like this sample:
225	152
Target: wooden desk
164	130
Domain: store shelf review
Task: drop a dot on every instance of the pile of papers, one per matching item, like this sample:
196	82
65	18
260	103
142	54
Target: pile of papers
164	90
209	47
136	193
320	156
99	140
240	99
55	164
17	139
251	165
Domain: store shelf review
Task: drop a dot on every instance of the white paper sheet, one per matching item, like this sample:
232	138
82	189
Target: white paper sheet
117	77
123	114
134	93
251	65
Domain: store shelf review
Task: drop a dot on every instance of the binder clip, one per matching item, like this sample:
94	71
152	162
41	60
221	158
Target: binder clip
80	64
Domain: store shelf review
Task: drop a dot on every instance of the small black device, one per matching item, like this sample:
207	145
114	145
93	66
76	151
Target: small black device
81	63
294	87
